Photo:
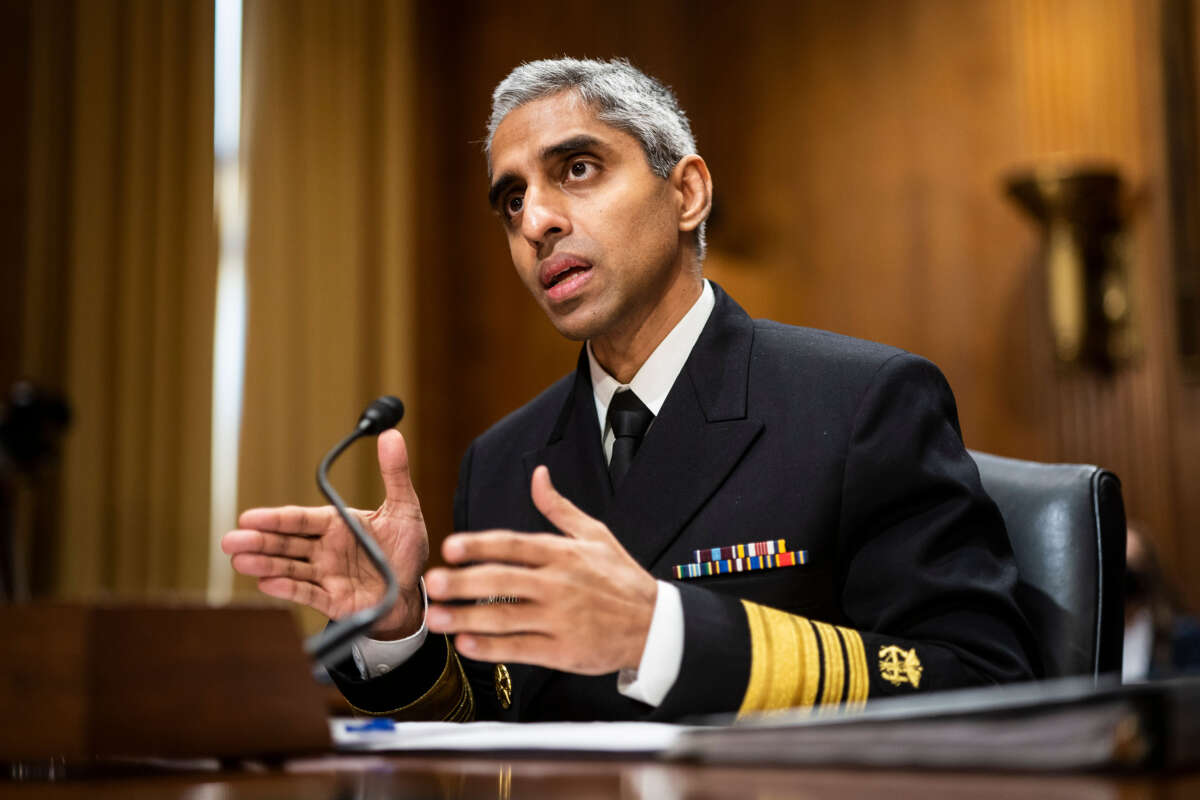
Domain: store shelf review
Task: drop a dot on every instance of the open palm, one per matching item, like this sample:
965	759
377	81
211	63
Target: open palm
310	556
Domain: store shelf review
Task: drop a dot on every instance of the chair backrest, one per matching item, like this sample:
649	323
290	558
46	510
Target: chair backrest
1067	527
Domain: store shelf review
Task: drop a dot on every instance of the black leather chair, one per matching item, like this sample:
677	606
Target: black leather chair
1067	526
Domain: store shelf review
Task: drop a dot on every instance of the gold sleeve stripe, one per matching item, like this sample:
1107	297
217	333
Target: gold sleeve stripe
756	688
807	692
787	665
833	661
464	709
856	661
783	639
784	661
759	687
449	699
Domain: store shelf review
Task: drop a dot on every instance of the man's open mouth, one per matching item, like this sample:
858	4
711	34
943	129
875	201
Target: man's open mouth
567	273
562	268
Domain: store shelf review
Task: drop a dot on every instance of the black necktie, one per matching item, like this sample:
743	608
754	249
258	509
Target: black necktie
628	418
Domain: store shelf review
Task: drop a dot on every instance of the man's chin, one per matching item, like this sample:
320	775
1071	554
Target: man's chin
581	318
575	333
577	326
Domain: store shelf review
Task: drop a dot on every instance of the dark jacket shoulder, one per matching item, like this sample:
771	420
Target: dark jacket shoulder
835	373
807	352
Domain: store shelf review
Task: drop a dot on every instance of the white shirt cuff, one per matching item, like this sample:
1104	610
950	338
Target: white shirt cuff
374	657
663	653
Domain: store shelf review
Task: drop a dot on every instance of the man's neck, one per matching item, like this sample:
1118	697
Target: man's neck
623	352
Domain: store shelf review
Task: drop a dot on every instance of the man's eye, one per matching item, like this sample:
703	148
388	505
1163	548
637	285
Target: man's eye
514	205
580	169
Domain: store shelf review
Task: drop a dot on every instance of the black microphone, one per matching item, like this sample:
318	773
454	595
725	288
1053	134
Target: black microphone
386	412
332	644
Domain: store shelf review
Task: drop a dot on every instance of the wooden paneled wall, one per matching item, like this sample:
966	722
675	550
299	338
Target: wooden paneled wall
858	151
1091	90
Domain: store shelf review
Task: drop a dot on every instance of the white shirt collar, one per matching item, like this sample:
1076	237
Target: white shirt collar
655	377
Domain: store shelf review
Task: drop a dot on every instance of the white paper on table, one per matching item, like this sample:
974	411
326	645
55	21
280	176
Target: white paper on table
579	737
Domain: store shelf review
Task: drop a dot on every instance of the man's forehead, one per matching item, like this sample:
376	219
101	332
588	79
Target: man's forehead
532	130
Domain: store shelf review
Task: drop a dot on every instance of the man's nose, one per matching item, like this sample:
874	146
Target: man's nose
544	217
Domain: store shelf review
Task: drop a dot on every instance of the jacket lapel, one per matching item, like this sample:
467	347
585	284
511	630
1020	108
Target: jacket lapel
576	461
573	452
698	437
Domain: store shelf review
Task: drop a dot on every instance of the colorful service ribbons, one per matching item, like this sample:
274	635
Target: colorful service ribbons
740	558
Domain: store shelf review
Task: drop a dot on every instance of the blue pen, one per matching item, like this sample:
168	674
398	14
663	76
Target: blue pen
376	724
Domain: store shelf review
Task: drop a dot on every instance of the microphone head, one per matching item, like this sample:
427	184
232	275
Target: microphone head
386	412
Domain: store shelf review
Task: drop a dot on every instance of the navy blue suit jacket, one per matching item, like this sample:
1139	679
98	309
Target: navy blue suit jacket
847	449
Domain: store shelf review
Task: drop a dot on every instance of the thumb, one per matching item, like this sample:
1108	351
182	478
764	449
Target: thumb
393	468
561	512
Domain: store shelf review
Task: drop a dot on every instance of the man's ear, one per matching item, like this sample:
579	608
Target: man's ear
691	179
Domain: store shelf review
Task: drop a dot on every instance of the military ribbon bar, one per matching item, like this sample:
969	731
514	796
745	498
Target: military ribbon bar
727	566
773	547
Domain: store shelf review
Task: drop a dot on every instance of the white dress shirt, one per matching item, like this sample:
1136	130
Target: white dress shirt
1139	647
663	653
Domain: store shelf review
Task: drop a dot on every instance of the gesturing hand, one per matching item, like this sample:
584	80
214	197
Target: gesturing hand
584	604
309	556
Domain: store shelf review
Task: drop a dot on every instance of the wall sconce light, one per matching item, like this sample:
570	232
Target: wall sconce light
1082	214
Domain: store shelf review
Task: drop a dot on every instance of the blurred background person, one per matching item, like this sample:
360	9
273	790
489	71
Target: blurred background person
1162	637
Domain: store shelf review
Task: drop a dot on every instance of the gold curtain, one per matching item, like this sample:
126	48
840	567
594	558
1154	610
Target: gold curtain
328	91
119	285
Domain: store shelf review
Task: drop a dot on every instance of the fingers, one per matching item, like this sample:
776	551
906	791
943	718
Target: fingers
393	467
260	566
562	512
266	542
490	618
533	549
482	582
288	519
308	594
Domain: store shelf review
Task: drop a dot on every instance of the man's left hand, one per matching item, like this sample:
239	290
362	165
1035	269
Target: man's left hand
578	603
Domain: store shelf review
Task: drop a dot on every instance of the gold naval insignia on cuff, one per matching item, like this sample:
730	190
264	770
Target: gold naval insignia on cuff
503	683
898	666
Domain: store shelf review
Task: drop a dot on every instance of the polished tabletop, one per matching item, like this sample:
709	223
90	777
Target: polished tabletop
352	777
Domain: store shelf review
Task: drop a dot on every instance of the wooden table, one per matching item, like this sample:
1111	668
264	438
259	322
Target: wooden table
350	777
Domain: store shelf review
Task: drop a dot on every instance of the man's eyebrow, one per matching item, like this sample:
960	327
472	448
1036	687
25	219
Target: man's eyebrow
572	145
581	142
500	187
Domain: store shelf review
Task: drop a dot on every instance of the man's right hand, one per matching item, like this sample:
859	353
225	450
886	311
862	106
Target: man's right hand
309	556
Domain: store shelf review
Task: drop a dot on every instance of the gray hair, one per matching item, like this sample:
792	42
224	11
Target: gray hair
622	96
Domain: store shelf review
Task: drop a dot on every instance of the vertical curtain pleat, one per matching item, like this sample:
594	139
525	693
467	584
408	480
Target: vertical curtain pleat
329	264
130	200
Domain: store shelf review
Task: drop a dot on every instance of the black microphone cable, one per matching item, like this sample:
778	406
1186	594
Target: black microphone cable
333	644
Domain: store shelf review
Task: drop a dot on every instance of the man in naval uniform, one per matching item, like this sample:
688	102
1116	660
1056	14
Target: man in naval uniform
711	514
